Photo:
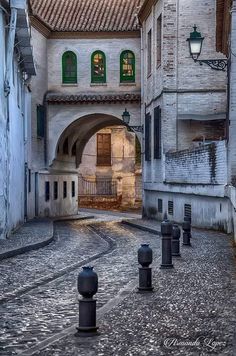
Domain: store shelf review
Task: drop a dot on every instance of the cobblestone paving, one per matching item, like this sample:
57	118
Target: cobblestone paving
70	245
50	308
31	232
191	313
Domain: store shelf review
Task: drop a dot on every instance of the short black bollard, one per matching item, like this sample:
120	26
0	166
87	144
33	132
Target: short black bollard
186	233
188	218
175	240
145	272
166	241
87	287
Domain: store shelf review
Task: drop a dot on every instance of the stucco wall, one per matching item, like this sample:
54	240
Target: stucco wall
3	134
84	49
39	86
207	212
61	206
14	142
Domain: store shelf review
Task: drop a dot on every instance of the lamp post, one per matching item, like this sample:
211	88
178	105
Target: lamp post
195	47
126	120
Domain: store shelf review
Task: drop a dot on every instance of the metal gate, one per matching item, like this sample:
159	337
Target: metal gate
97	187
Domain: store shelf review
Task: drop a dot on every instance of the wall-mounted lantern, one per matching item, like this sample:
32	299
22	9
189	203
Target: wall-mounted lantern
126	120
195	47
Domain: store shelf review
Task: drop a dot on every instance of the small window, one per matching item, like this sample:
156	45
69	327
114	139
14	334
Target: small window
160	205
149	52
66	147
103	149
73	189
29	180
187	210
170	207
55	190
64	190
157	133
47	191
40	120
69	68
98	67
148	146
127	67
159	36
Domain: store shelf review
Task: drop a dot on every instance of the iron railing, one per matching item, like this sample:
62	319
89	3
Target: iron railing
99	186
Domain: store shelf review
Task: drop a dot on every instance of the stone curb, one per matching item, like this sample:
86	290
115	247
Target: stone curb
141	227
40	244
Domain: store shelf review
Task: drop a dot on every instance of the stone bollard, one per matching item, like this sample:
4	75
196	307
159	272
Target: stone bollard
188	218
166	241
145	272
87	287
176	240
186	233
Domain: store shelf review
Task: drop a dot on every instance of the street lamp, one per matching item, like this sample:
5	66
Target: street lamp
126	120
195	47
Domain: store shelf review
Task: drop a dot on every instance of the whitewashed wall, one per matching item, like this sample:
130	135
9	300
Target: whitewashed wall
84	48
61	206
14	144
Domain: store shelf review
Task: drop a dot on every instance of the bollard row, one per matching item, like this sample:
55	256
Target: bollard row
88	279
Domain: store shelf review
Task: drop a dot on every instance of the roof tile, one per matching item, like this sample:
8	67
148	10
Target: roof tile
87	15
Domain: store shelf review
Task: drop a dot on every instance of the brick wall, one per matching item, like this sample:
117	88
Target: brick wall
202	165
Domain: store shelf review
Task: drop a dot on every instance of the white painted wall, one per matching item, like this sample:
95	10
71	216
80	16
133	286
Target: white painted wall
14	144
61	206
84	49
3	133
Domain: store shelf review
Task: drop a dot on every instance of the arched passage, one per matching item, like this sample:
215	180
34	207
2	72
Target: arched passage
80	131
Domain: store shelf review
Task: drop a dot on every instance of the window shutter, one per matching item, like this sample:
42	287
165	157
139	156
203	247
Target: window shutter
40	120
104	149
148	137
157	133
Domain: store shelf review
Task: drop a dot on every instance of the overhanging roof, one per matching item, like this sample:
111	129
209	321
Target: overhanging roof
202	117
58	98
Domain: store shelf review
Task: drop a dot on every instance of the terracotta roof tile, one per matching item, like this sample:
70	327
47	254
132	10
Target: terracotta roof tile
57	98
87	15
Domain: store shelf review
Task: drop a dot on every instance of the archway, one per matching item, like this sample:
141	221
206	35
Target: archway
68	153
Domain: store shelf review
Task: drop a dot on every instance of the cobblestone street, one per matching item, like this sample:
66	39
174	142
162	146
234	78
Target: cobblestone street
196	300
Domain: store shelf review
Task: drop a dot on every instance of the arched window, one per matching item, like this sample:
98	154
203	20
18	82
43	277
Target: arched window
69	68
98	67
127	67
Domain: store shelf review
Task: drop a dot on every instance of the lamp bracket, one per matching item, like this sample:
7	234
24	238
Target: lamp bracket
216	64
137	128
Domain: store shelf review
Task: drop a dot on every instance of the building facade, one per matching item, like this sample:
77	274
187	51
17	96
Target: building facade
185	116
16	69
88	72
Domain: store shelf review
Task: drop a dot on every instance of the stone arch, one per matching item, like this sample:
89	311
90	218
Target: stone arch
82	129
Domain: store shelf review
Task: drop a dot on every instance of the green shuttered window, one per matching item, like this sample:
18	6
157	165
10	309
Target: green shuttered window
69	68
40	120
127	67
98	67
